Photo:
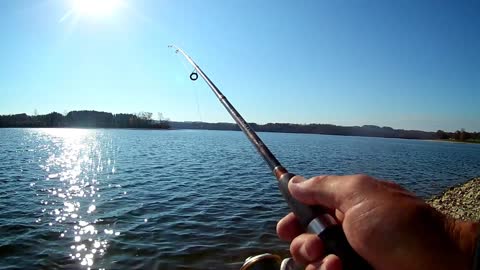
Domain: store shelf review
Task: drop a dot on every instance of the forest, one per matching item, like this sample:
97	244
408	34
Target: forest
84	119
328	129
97	119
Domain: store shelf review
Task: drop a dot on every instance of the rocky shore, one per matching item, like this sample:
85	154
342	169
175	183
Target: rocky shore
460	202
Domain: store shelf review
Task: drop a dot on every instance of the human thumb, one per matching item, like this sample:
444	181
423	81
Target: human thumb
319	190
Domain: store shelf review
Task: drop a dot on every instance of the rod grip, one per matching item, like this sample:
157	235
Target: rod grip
332	236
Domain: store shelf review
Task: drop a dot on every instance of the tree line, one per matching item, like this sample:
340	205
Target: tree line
459	135
328	129
97	119
90	119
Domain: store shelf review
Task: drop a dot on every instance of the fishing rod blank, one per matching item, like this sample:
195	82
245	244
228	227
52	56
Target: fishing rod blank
313	219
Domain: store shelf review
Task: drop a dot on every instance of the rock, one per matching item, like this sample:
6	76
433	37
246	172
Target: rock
461	202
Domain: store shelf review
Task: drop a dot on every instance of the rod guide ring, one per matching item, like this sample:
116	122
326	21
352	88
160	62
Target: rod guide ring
193	76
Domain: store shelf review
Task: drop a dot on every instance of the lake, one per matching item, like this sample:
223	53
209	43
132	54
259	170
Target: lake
180	199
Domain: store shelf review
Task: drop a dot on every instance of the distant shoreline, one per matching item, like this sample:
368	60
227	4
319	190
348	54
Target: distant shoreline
84	119
143	120
126	128
237	129
329	129
453	141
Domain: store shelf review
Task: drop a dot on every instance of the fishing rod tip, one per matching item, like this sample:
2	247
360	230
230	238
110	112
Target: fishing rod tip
174	47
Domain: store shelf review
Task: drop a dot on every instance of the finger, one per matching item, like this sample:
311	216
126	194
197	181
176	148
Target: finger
336	192
330	262
306	248
288	228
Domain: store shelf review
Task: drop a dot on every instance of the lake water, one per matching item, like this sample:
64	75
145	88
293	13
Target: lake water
146	199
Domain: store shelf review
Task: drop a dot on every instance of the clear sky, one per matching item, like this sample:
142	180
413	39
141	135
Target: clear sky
410	64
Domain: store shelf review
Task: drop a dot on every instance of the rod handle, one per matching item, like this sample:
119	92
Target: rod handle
317	220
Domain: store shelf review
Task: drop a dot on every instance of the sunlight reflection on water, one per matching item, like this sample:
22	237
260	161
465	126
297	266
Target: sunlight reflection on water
75	161
179	199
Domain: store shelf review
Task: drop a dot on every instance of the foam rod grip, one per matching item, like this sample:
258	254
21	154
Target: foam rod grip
336	243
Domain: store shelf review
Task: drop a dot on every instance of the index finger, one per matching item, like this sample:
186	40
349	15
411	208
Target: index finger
288	227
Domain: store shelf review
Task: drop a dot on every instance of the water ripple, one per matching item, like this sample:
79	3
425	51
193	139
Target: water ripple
133	199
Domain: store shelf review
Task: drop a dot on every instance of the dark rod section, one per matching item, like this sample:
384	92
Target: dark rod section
313	219
244	126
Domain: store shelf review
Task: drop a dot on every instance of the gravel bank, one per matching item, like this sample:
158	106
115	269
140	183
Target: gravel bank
460	202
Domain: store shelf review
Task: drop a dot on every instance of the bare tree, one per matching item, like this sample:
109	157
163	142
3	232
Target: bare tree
145	115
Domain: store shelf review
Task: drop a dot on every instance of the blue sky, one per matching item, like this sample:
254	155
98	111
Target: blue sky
409	64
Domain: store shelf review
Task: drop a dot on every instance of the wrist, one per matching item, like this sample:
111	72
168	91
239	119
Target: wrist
466	236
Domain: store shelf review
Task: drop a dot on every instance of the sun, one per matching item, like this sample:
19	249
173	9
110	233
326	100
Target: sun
95	8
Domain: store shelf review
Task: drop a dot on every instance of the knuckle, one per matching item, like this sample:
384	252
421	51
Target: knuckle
362	177
355	182
317	179
393	185
297	178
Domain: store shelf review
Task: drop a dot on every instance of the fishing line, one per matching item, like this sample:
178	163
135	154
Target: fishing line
313	219
198	103
193	77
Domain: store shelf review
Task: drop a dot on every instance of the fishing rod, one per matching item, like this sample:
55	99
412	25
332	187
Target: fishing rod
313	219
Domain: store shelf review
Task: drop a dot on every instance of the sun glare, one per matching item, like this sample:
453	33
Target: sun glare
96	8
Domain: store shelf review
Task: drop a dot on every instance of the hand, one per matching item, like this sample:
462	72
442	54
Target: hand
388	226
